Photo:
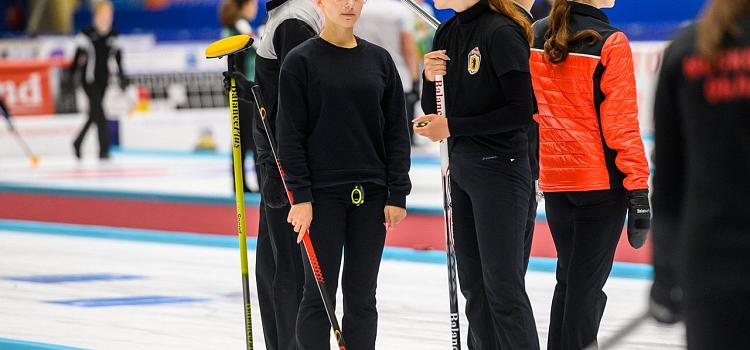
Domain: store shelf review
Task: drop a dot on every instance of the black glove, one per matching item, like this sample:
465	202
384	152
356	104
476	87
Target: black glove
666	298
124	82
69	84
415	88
274	194
639	217
413	96
243	85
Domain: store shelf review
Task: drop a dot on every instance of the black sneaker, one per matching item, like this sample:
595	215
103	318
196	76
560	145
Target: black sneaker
77	150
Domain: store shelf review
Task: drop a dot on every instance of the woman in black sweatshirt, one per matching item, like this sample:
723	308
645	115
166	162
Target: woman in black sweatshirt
701	225
489	103
344	147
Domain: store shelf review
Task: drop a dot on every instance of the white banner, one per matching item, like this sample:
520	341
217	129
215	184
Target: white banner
141	53
47	135
185	130
647	59
179	130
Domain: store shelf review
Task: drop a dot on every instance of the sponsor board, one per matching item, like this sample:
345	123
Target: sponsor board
647	59
180	130
25	87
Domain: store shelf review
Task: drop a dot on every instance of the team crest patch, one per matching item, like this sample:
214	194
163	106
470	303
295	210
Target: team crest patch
475	59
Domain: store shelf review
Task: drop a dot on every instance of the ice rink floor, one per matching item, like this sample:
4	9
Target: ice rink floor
184	174
114	294
179	174
68	287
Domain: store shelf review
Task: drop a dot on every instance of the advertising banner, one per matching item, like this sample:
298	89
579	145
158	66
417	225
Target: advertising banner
25	87
180	130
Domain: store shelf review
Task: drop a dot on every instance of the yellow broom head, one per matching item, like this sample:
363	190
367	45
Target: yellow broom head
228	46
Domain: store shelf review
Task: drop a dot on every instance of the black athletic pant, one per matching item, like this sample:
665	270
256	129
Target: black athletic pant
96	92
411	102
490	199
718	321
279	277
586	227
247	143
528	237
530	224
338	224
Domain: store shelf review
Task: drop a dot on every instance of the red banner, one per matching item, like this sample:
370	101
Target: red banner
25	87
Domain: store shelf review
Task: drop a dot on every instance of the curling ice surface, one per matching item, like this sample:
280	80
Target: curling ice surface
412	298
203	283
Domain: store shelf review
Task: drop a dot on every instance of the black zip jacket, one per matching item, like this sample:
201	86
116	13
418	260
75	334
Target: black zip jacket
97	50
701	223
290	23
488	92
532	132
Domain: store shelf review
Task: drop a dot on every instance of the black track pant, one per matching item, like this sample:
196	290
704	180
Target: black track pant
96	115
411	103
528	238
338	224
245	173
490	196
586	227
530	224
279	277
718	321
247	143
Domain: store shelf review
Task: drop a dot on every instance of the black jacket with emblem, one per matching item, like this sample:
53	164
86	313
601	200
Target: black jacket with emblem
532	132
488	94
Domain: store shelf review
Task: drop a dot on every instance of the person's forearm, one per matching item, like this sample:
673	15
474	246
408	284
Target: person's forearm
409	49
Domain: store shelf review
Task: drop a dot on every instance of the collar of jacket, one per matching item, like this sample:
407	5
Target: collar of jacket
528	14
473	12
588	10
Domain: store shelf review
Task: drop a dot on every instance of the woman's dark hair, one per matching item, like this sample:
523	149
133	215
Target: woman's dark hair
507	8
558	38
718	22
229	13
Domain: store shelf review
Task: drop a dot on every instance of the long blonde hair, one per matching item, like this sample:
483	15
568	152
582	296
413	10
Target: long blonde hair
718	22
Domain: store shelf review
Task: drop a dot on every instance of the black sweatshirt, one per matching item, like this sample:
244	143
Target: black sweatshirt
97	49
342	119
490	104
290	23
701	187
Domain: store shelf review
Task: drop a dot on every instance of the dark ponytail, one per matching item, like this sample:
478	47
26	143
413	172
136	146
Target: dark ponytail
718	22
558	38
507	8
229	13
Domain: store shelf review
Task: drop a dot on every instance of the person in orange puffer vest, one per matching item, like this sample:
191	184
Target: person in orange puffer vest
593	167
